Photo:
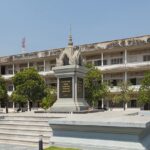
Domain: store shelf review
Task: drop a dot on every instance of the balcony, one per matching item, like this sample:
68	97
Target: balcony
127	66
116	89
42	73
7	76
46	73
9	93
138	65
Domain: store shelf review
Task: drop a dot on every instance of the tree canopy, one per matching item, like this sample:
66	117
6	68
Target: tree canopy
3	93
49	99
29	85
95	89
3	90
144	92
125	93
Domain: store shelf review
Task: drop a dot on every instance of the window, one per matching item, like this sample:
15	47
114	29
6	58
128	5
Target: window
97	63
133	81
146	58
40	66
104	62
116	61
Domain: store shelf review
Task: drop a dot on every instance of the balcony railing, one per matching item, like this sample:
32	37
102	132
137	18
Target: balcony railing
145	64
117	89
30	55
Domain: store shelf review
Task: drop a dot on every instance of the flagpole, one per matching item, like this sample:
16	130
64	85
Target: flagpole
23	45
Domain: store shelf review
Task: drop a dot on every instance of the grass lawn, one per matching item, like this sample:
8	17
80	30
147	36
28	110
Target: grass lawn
59	148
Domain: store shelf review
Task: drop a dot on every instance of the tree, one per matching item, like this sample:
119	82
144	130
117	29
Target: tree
49	99
95	89
125	93
144	91
29	84
20	99
3	93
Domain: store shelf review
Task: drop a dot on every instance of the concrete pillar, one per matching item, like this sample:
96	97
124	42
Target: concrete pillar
57	88
75	91
125	56
102	59
13	105
44	65
126	105
83	90
73	87
13	69
28	64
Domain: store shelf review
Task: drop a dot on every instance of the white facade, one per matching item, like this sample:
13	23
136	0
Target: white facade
125	59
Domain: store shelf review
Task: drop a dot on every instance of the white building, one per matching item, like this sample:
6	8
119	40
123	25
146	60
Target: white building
124	59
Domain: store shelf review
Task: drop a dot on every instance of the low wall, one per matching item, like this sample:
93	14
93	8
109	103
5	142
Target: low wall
88	135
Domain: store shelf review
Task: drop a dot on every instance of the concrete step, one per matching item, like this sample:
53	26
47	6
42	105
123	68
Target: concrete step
24	122
18	126
24	127
22	141
18	137
25	132
32	118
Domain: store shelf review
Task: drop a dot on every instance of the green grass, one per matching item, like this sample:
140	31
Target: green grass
59	148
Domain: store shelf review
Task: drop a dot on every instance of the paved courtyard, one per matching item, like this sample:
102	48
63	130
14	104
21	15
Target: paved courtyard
16	147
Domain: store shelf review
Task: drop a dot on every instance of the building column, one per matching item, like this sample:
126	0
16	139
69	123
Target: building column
28	64
125	56
13	69
44	65
75	92
102	58
57	88
13	105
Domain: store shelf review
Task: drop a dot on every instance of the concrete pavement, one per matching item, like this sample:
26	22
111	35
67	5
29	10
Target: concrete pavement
16	147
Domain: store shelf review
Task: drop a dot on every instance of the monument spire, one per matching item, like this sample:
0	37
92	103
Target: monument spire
70	43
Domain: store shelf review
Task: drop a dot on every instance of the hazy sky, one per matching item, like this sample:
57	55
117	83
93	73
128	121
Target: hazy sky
45	23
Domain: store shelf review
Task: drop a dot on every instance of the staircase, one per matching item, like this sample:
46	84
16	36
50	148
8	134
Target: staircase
24	130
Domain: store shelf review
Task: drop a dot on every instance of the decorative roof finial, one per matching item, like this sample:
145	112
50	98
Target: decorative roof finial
70	43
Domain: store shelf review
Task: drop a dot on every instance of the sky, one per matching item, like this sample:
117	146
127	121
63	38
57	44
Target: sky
45	24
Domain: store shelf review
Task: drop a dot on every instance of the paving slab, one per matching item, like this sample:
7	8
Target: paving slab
16	147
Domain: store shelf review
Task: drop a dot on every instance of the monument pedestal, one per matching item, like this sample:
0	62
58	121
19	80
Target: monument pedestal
70	89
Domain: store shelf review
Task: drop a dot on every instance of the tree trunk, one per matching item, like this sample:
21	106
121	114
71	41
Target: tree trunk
124	106
29	106
6	107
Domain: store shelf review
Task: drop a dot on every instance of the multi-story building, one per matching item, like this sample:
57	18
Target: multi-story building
119	60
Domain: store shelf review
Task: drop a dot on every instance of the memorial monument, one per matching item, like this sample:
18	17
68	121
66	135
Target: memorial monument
70	72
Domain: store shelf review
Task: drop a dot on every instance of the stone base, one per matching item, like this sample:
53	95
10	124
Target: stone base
88	135
69	105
